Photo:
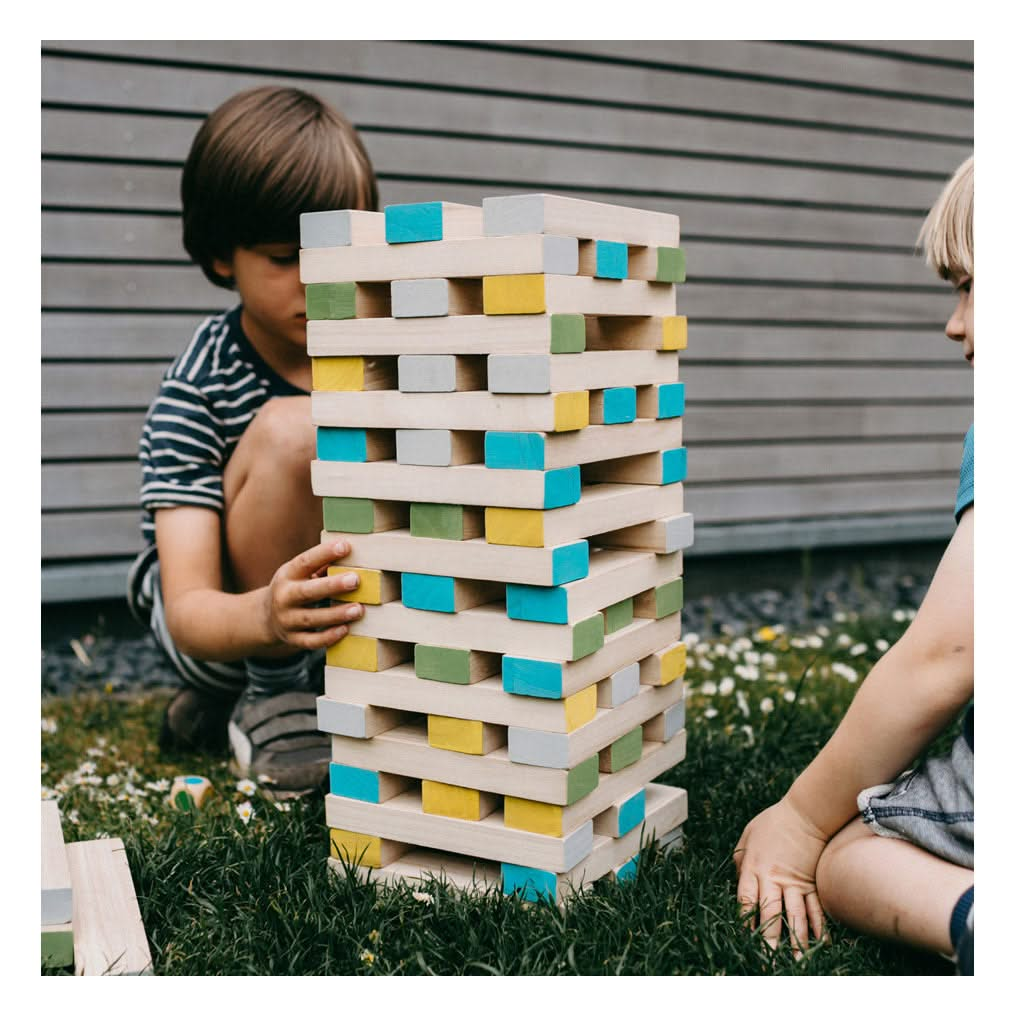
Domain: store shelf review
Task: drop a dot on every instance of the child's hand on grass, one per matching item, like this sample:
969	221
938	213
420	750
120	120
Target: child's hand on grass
291	617
776	859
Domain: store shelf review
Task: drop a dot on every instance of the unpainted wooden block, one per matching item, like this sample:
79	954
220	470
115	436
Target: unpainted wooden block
190	793
345	227
439	372
411	298
621	686
438	447
363	652
470	737
456	802
363	849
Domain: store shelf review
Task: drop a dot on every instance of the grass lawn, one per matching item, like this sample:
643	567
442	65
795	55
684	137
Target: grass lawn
242	887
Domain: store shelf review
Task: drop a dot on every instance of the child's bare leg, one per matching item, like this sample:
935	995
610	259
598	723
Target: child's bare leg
271	514
890	888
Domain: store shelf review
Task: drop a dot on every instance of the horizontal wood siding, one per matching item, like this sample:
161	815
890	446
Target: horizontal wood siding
824	404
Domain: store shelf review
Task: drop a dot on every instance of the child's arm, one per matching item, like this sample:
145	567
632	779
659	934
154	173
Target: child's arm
909	697
210	624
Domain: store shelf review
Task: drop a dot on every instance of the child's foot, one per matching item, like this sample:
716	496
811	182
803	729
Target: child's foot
194	721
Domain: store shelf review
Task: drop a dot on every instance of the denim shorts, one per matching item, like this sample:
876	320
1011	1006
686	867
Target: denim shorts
931	806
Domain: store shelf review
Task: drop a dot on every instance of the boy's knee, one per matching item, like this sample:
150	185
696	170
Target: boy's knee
282	433
831	872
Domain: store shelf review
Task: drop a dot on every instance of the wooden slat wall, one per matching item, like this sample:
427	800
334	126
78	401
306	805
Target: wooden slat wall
824	403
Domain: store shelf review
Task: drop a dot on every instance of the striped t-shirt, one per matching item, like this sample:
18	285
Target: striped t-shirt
206	400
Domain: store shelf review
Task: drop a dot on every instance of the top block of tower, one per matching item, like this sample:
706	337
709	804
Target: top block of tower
586	220
344	227
432	220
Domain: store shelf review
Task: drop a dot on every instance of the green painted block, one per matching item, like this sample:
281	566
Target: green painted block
625	751
583	779
670	264
438	663
349	514
437	521
669	598
619	615
567	333
57	947
587	636
331	301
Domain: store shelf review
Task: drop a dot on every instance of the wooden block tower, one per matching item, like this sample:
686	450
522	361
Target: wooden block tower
499	436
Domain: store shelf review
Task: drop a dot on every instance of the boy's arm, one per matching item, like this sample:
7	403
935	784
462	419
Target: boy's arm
909	697
210	624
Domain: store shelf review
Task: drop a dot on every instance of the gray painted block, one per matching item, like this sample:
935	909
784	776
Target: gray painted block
423	447
560	255
345	718
673	720
578	845
527	374
426	372
325	229
679	532
621	686
514	214
538	747
420	298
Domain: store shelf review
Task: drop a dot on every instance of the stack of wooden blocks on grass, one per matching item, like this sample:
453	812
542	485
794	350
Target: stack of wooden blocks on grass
499	437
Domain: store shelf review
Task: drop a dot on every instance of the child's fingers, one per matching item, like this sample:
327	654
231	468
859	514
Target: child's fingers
771	912
816	916
747	895
797	919
306	619
306	564
328	587
318	639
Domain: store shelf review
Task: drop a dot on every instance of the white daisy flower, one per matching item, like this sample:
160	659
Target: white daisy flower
766	705
768	659
881	645
708	687
158	786
710	714
48	725
742	704
789	695
798	643
861	647
245	810
752	657
726	686
899	615
248	787
813	642
282	805
720	649
705	664
690	639
422	897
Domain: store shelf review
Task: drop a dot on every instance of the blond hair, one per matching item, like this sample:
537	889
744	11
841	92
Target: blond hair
947	235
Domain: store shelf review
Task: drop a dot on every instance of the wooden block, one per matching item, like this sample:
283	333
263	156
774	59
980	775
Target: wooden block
471	737
431	220
445	593
661	401
622	816
662	601
612	574
547	678
669	332
536	373
456	411
456	802
472	558
469	484
360	652
339	301
667	724
364	784
362	849
452	666
606	259
441	373
405	750
664	666
587	220
190	793
362	515
445	521
534	816
663	536
674	840
375	586
438	447
625	751
657	264
353	374
435	297
462	335
575	294
618	616
602	508
349	444
461	258
57	945
669	466
57	902
109	937
403	817
621	686
612	405
352	719
627	871
512	449
343	227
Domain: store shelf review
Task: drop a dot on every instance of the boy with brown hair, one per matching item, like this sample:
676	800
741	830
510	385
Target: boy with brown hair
226	581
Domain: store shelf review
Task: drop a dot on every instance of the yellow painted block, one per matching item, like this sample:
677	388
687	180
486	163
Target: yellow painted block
453	734
571	410
673	664
534	816
675	332
358	652
514	527
455	802
369	589
337	373
351	846
580	708
514	294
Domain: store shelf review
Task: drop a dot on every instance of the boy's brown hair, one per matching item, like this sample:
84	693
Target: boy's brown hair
947	235
259	160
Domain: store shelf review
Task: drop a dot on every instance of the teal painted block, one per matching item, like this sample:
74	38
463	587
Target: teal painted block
359	784
532	883
675	465
569	562
341	444
628	870
561	487
670	401
611	259
537	603
540	678
619	405
513	450
414	222
631	813
429	592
